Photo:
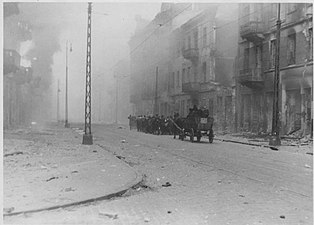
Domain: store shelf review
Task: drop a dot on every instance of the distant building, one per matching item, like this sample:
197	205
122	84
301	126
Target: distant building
257	42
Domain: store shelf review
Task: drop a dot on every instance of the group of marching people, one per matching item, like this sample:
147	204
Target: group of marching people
161	125
155	124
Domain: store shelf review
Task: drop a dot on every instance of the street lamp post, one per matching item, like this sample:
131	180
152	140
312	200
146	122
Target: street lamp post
66	85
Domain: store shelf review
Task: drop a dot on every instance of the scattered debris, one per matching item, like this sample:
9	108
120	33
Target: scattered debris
282	217
245	203
52	178
8	210
69	189
74	171
120	157
44	167
241	196
166	185
111	216
219	181
123	141
94	150
309	153
146	220
169	212
14	153
120	127
54	166
307	166
274	148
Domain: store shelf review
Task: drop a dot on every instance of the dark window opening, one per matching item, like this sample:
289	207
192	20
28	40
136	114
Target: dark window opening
291	48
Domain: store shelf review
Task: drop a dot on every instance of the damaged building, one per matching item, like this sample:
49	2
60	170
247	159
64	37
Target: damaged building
17	80
186	56
255	77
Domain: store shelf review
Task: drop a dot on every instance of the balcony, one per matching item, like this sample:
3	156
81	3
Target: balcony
251	78
191	87
252	31
191	54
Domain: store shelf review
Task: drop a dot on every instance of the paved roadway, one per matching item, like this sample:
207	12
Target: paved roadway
198	183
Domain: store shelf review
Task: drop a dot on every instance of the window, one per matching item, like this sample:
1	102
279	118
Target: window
173	78
272	53
204	36
178	79
183	75
188	75
189	42
195	39
291	48
246	59
204	71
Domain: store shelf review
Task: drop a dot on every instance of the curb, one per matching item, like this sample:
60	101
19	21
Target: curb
119	192
246	143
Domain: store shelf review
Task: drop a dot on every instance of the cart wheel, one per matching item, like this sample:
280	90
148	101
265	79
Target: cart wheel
192	135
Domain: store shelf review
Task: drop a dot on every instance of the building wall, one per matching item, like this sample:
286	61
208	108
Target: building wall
295	75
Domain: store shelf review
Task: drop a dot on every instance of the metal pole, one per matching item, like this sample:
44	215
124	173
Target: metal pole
275	140
66	86
156	91
58	108
87	137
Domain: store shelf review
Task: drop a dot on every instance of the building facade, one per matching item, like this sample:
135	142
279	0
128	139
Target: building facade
256	61
189	60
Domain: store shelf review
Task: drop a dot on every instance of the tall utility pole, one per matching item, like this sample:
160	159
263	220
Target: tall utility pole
58	108
275	139
66	84
87	137
156	91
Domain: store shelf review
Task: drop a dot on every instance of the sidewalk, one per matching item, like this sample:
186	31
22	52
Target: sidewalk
304	145
50	168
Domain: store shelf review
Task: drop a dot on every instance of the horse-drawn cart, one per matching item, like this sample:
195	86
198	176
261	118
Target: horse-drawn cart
196	127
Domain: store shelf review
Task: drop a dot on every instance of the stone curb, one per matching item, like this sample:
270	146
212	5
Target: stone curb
119	192
247	143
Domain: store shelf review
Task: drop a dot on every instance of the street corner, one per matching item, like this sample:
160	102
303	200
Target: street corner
34	187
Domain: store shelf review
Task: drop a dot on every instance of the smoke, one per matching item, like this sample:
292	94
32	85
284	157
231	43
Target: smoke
39	32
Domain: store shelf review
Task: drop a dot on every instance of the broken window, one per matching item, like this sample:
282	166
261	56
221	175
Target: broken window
291	49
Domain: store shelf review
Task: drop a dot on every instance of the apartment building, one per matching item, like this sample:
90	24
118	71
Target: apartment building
189	61
256	60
